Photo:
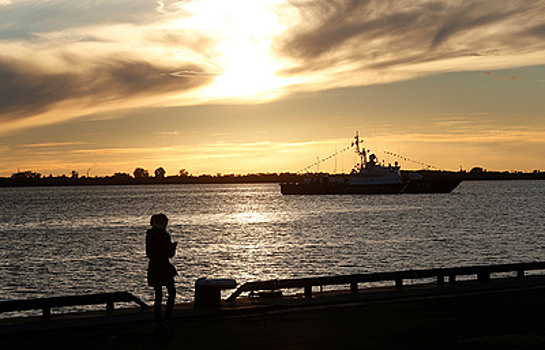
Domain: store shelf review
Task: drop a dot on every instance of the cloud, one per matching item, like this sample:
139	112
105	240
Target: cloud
353	42
512	78
62	59
50	144
172	6
24	19
467	17
187	73
168	133
484	145
65	59
140	151
509	78
28	90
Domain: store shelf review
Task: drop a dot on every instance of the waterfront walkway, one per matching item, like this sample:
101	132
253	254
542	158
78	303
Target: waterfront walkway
505	314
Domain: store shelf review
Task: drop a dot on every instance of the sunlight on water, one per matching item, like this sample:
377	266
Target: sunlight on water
250	217
73	240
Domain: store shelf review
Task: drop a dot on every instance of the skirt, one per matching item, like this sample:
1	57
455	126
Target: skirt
161	273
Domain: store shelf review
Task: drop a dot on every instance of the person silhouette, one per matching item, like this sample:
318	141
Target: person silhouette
159	248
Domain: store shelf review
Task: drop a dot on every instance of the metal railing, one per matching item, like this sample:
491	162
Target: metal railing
45	304
483	274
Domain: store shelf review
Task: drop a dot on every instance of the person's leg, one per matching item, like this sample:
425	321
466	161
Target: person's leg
170	301
158	303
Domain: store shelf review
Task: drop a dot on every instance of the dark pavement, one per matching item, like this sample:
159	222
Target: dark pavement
469	315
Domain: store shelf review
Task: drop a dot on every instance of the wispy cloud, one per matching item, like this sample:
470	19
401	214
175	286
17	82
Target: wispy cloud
512	78
168	133
28	91
24	19
504	78
478	137
483	145
360	42
50	144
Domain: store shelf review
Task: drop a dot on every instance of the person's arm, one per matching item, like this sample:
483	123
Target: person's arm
172	251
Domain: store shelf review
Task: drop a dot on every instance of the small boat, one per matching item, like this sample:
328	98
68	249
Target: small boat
370	177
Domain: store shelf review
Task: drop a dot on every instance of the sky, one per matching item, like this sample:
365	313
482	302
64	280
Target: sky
245	86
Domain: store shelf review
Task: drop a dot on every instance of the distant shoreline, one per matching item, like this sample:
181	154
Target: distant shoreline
125	179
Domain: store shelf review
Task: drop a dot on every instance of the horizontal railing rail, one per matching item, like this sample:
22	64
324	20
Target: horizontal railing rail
483	274
45	304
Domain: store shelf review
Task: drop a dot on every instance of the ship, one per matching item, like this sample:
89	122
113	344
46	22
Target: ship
369	176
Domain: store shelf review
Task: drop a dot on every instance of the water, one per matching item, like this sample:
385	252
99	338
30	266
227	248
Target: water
74	240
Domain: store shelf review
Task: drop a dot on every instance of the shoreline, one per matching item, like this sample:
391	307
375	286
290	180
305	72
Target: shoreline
127	180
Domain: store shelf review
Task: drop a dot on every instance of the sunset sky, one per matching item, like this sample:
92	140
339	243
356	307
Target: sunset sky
244	86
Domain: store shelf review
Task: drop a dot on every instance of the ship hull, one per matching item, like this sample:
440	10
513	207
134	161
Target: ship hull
431	185
445	186
301	188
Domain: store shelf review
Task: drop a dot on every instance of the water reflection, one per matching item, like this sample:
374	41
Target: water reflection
250	217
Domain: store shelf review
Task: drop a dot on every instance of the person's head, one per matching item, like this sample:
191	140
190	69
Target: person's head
159	221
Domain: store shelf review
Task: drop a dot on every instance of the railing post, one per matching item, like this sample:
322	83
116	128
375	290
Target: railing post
452	279
354	287
110	306
399	283
520	274
46	312
440	280
308	292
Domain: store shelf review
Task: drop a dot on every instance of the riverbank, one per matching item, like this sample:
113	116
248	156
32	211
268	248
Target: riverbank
30	179
501	314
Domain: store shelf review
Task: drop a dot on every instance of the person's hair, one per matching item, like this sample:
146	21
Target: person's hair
159	219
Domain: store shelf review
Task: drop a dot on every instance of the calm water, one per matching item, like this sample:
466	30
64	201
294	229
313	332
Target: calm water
72	240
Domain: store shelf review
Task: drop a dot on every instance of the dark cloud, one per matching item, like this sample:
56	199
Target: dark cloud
382	34
537	31
466	17
26	91
328	25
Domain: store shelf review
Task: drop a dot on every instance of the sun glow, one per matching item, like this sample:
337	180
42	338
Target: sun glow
242	57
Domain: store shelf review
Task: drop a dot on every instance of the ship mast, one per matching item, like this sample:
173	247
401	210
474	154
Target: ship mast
361	153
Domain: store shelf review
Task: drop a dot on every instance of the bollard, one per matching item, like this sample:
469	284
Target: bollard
208	292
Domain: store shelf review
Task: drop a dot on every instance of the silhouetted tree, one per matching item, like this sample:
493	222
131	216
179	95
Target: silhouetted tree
140	173
183	173
74	175
26	175
122	175
160	173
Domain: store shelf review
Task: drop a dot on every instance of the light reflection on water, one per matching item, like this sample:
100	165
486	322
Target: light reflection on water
73	240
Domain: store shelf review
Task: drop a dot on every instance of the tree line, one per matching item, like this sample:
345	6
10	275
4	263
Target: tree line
139	176
142	176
